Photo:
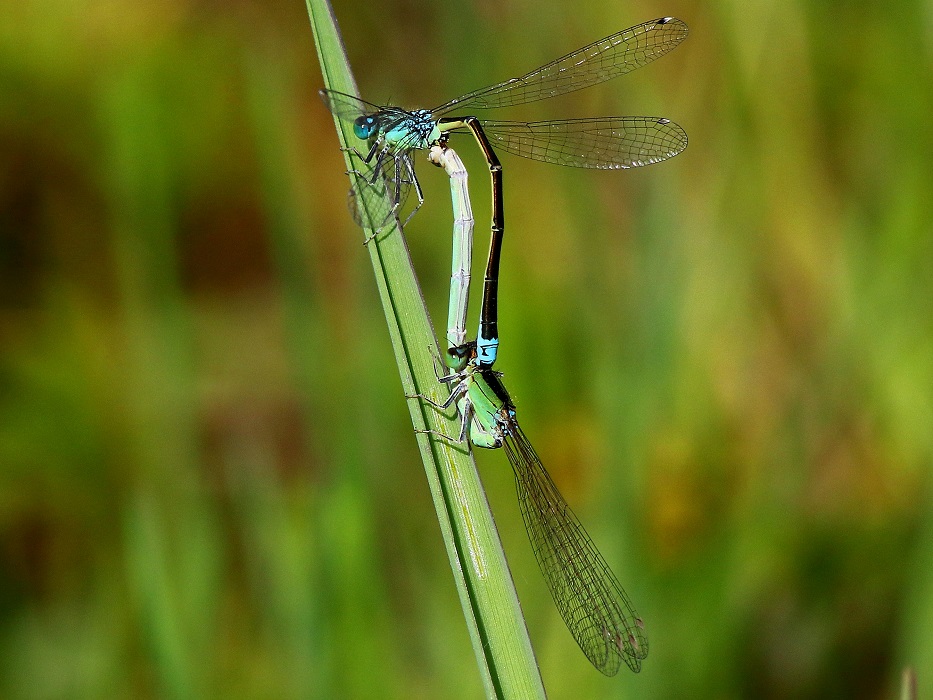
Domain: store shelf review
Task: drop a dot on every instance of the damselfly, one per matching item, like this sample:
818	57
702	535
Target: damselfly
386	173
590	599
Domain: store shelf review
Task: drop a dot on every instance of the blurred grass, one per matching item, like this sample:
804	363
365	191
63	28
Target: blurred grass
725	361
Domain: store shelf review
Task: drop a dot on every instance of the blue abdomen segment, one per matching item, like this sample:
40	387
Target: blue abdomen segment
486	351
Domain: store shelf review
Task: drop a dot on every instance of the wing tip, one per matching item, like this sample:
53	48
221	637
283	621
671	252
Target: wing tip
679	23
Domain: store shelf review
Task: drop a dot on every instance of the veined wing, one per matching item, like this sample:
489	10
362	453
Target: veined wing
597	611
606	143
379	190
346	106
608	58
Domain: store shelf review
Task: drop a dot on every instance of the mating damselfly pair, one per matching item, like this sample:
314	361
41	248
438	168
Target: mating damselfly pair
590	599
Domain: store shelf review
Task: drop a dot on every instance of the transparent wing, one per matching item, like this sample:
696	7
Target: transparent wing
597	611
606	143
605	59
379	190
346	106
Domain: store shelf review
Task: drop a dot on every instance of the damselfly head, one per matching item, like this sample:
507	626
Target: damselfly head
364	127
459	357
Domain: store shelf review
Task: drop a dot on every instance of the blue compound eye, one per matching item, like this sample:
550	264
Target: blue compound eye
364	127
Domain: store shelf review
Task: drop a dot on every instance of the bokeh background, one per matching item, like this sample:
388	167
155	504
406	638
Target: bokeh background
208	481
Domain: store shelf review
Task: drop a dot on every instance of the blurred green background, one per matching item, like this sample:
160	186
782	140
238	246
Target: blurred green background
208	481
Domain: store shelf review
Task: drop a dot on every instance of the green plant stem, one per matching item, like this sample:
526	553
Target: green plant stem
490	604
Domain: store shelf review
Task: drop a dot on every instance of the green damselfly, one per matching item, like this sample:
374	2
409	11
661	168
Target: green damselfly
590	599
462	254
387	174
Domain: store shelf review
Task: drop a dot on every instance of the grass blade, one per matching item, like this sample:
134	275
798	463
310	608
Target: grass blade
484	583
